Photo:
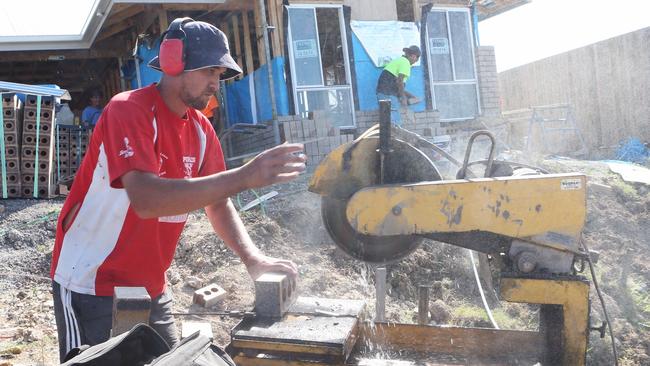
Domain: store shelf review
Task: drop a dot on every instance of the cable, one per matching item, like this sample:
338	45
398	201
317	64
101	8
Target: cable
480	290
602	301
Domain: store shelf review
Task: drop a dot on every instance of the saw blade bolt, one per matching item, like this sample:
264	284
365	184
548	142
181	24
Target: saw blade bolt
397	210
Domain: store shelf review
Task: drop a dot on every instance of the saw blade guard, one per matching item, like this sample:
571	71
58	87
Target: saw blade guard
354	166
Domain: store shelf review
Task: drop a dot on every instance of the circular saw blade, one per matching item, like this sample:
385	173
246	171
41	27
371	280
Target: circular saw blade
404	164
367	248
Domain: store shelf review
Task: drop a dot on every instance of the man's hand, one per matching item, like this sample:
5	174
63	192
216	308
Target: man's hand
259	264
277	165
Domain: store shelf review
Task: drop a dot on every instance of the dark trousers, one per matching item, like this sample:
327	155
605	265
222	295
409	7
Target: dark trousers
87	319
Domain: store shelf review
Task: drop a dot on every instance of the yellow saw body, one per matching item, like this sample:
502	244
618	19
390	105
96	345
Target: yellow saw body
377	208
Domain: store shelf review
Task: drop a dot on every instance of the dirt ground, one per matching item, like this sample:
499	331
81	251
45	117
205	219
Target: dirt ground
618	225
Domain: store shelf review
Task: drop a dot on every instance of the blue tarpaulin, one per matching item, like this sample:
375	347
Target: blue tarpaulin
248	100
367	76
633	150
148	75
240	94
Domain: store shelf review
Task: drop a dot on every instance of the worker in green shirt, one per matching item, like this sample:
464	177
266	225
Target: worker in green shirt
391	82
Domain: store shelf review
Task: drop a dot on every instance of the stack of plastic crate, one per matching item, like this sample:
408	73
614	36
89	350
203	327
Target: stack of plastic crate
10	128
38	174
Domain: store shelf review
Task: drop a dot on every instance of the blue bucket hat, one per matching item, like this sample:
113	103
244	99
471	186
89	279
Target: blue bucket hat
205	46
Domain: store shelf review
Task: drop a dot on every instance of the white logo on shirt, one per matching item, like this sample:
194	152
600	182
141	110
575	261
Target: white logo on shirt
188	162
128	151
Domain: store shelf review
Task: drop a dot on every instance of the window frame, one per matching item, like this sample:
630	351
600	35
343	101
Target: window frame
455	80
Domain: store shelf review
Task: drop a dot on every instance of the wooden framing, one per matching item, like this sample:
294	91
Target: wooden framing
417	10
272	9
163	24
259	35
248	49
235	31
120	14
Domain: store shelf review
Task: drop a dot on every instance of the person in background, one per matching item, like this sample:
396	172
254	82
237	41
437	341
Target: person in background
91	114
212	112
392	79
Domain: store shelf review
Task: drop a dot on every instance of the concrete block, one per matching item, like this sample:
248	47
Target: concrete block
10	100
11	152
10	125
131	306
13	190
189	328
27	178
209	295
27	190
27	166
13	178
12	165
9	113
46	115
46	102
10	139
274	294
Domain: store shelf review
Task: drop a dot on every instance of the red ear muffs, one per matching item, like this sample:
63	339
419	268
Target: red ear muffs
171	57
172	48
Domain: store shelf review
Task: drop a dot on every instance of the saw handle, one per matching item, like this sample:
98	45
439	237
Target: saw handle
384	126
462	173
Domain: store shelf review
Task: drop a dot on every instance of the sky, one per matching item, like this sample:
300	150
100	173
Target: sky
544	28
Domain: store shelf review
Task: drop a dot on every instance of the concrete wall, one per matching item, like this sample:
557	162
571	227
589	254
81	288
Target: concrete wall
607	84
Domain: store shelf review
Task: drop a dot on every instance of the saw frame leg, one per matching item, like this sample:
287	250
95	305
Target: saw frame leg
564	314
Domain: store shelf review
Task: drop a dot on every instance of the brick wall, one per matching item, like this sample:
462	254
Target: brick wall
488	83
320	137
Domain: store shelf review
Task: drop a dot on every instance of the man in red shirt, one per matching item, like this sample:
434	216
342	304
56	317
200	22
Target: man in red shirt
152	159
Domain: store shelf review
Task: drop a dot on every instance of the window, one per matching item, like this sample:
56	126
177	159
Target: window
450	56
319	63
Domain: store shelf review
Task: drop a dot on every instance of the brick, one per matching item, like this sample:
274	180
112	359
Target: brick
209	295
274	294
131	306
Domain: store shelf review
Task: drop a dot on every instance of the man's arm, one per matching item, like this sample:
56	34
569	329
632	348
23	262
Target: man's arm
228	225
152	196
400	88
409	95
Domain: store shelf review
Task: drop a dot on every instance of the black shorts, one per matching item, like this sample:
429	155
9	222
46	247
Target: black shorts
87	319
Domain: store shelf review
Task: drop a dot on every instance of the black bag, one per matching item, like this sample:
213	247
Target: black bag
142	346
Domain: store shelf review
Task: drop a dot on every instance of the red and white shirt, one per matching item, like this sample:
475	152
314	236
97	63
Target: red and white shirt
107	244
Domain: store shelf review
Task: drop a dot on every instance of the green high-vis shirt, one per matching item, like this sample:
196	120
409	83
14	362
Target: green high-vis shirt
389	77
400	65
